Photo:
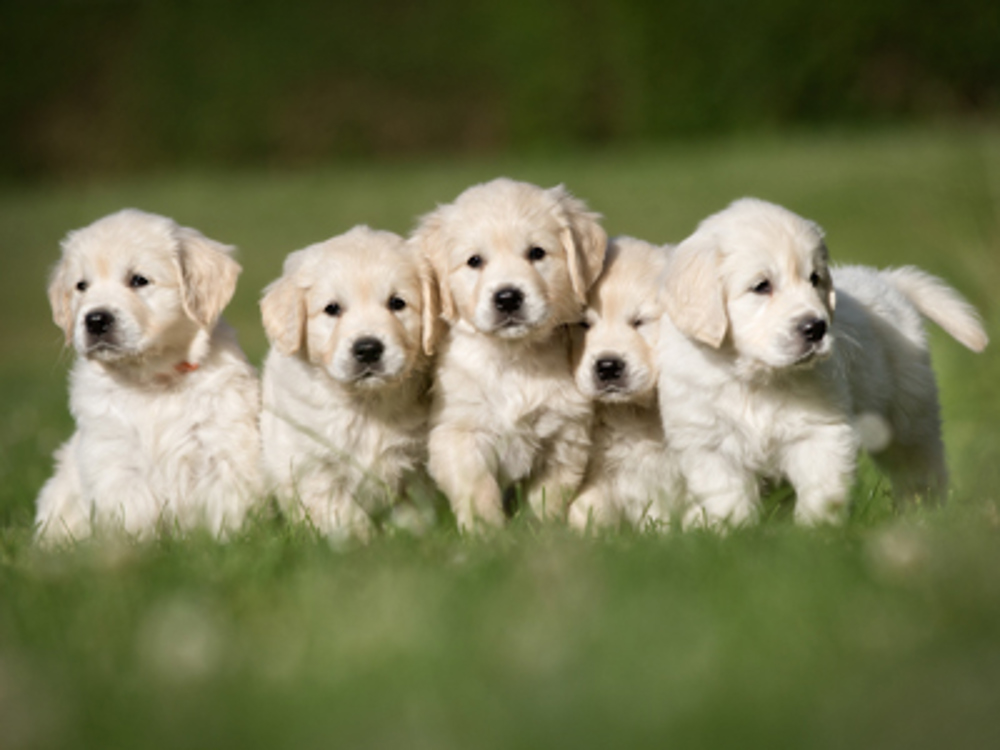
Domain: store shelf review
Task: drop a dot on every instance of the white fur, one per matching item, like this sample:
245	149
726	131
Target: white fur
342	436
743	394
632	475
505	408
165	401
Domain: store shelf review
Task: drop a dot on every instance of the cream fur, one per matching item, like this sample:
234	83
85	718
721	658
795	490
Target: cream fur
743	394
505	409
632	475
341	436
164	400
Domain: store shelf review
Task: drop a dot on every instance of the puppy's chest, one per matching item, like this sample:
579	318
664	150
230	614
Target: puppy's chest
169	435
630	449
757	422
510	399
375	438
325	423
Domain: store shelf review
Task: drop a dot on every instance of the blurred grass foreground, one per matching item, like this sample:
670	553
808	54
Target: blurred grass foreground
275	125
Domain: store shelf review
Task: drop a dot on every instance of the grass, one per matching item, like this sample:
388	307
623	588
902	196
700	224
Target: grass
883	633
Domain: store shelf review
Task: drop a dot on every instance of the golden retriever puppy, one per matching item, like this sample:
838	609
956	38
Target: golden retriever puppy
759	377
344	420
165	402
631	476
514	263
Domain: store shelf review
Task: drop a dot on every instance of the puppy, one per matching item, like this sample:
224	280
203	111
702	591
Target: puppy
631	476
165	402
513	263
757	376
344	422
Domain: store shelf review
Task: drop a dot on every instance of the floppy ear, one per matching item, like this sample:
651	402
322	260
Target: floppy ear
61	298
208	274
429	240
831	293
431	323
583	239
283	311
692	293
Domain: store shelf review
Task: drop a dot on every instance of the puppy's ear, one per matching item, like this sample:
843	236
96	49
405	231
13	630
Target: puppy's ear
208	274
429	241
431	324
692	293
61	298
584	240
283	311
831	293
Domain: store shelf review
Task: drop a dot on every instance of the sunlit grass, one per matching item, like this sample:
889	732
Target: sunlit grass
881	633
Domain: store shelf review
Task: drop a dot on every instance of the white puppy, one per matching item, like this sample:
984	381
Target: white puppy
758	378
632	475
165	402
514	263
344	421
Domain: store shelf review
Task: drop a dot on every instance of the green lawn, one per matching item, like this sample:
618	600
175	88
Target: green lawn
884	633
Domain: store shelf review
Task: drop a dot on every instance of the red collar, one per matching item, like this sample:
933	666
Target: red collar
183	368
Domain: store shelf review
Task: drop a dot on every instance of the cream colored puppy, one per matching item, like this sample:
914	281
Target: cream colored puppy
344	421
758	377
514	263
632	475
165	402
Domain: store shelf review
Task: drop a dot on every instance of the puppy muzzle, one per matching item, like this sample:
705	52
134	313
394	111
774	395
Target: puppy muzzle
611	379
101	334
367	357
508	311
813	339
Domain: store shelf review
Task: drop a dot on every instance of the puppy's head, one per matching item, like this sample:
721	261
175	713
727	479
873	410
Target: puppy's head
361	306
135	286
613	348
755	276
513	260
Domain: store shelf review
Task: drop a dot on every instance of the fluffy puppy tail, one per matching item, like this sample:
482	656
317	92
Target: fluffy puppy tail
939	302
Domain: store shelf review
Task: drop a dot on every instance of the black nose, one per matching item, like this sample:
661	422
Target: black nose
609	368
813	330
508	299
368	350
99	322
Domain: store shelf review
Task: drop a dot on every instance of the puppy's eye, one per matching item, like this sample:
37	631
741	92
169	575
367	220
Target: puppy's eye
762	287
638	322
137	281
814	279
536	254
396	303
584	324
333	310
475	261
81	286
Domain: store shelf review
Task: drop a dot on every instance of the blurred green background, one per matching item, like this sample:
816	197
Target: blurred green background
106	86
275	125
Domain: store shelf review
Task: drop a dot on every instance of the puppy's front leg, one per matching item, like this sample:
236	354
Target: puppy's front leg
463	474
124	502
821	469
592	509
325	500
553	489
722	493
62	514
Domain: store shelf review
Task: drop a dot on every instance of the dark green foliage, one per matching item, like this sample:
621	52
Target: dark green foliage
98	85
